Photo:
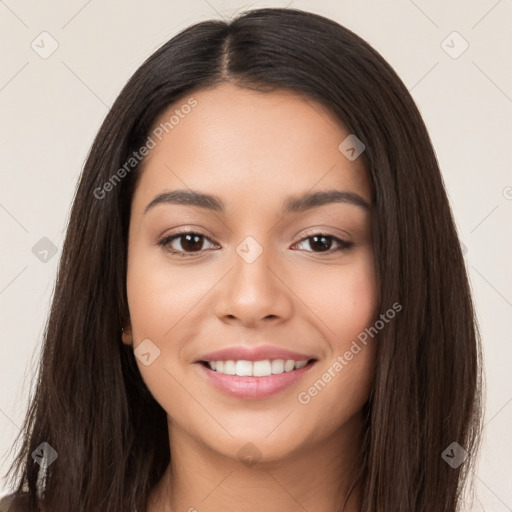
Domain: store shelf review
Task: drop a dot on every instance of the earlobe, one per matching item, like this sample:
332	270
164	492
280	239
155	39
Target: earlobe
126	335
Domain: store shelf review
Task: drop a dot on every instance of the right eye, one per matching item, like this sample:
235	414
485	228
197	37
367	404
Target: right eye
191	243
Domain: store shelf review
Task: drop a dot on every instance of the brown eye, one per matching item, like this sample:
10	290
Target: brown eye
183	243
323	243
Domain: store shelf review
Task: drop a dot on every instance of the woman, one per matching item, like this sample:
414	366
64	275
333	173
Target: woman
262	302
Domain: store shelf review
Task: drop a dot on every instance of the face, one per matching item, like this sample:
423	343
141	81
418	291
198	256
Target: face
252	273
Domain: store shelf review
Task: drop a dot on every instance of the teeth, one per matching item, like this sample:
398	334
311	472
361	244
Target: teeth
229	367
257	368
277	366
243	368
261	368
289	365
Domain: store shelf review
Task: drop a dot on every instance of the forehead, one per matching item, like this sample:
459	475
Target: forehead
245	145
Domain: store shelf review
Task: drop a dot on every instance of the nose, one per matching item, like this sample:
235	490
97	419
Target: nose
254	292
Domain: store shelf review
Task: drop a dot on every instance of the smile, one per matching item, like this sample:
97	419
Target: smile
254	380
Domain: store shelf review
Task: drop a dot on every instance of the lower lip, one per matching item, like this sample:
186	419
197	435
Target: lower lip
254	388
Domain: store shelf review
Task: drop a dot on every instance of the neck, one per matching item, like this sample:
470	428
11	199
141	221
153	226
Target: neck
315	478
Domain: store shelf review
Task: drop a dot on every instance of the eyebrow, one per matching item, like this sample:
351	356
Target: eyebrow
294	204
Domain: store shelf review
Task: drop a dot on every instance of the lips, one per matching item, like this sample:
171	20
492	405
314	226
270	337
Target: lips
250	387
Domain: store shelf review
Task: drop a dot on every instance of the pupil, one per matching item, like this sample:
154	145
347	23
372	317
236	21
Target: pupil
322	245
188	245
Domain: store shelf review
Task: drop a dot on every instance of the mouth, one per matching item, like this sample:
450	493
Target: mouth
254	380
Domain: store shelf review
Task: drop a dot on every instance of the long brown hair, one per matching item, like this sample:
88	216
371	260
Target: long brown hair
91	404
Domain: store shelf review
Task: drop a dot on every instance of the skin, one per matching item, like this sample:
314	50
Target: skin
253	150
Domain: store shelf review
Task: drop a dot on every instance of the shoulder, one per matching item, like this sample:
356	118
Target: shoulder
15	503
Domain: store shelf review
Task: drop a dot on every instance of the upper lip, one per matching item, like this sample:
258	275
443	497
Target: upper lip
259	353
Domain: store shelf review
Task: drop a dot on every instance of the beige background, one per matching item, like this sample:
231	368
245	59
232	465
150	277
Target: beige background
52	107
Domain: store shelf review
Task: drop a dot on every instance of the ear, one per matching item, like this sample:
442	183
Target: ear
126	335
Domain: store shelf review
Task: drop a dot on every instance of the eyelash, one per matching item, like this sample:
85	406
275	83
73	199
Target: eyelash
343	245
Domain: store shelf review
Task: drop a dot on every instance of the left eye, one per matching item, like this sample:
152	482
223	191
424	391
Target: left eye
320	241
193	243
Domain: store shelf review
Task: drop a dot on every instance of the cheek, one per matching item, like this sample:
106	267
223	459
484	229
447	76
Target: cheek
157	301
344	298
156	304
357	304
160	295
164	303
348	304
